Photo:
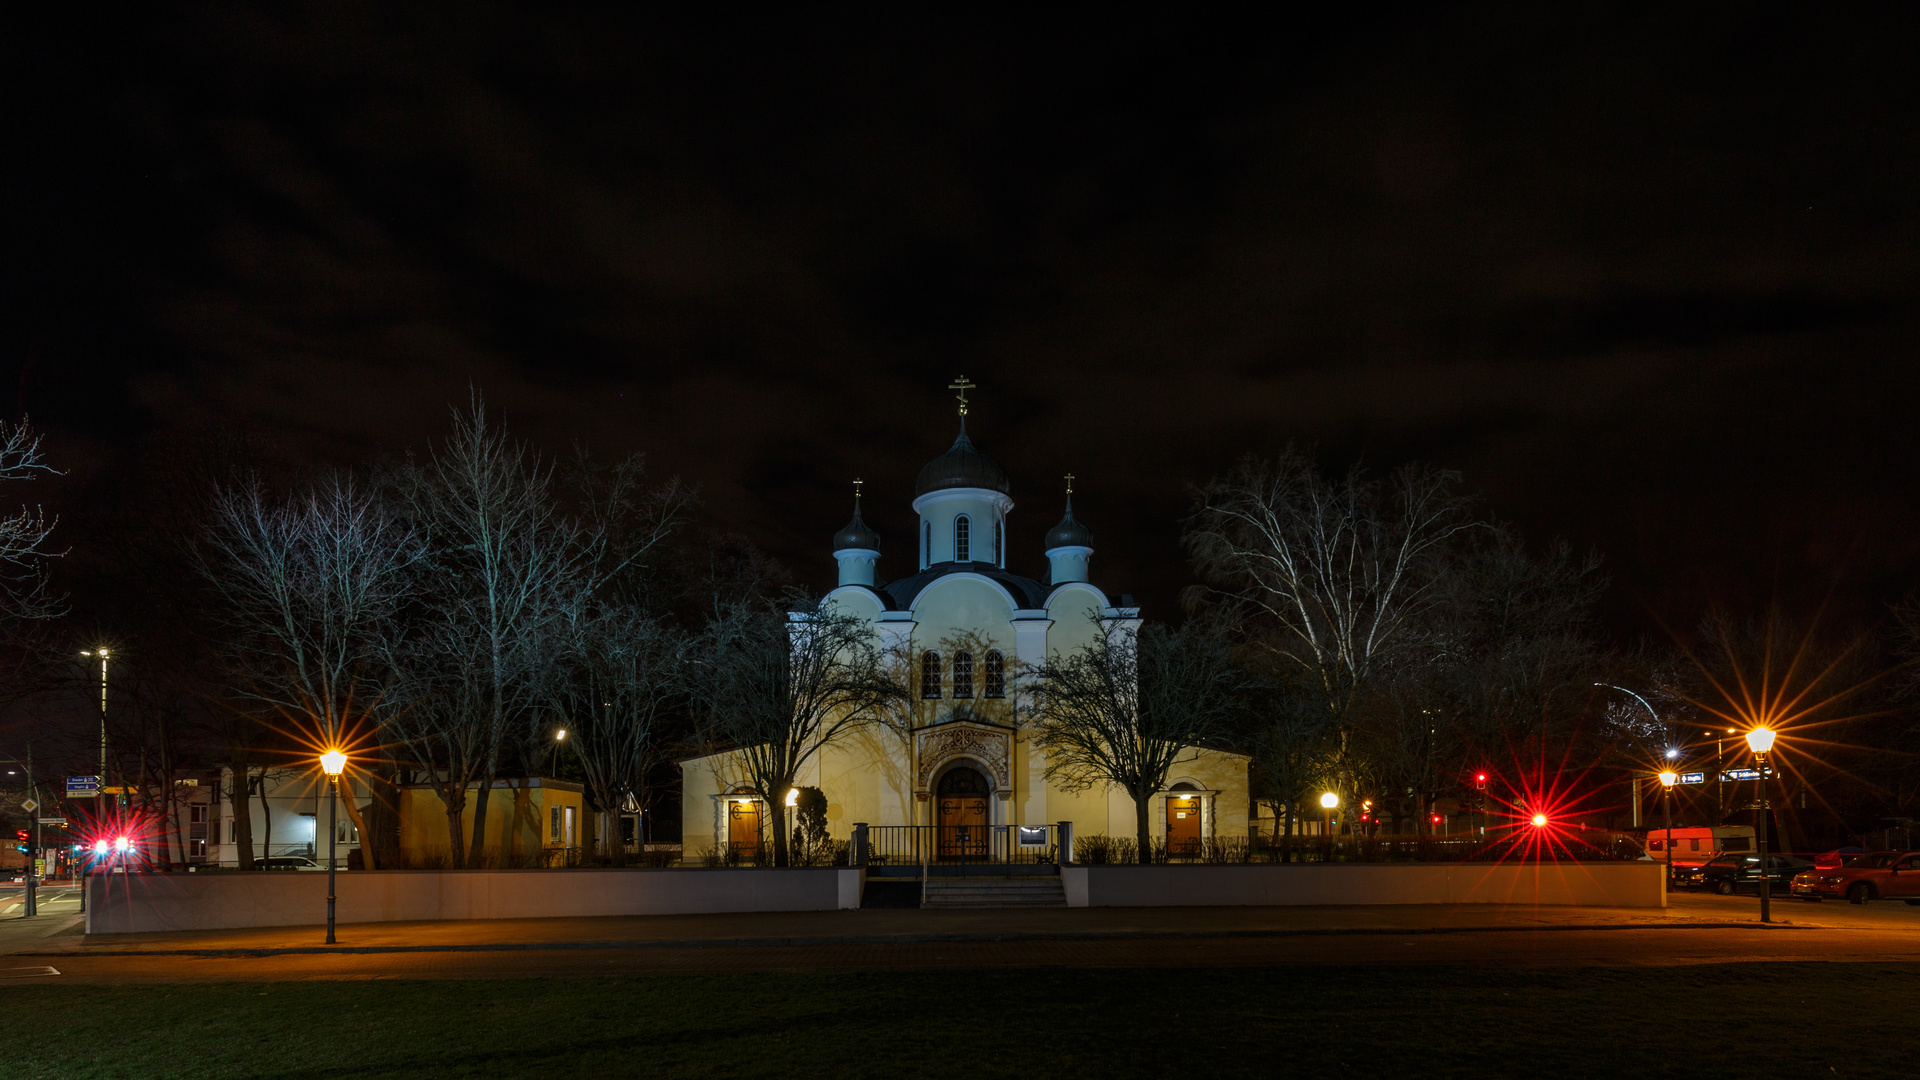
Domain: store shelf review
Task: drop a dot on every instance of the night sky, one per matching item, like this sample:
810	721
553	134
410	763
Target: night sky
1648	280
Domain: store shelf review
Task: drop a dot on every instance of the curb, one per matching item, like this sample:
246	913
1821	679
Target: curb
894	939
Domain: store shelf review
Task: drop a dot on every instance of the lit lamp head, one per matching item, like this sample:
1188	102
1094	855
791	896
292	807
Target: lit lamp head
1672	753
1760	740
333	763
560	735
1669	778
1539	821
1329	800
793	796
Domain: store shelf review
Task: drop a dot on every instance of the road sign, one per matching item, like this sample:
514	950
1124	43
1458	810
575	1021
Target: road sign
83	787
29	806
53	821
1693	778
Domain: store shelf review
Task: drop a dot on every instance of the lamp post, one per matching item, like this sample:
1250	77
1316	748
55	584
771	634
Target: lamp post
1327	802
1667	779
1760	741
102	654
333	763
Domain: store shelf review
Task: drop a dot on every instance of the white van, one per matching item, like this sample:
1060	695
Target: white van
1693	847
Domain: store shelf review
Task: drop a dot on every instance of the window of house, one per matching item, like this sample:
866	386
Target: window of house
999	559
961	527
926	546
930	675
963	675
344	832
553	825
996	677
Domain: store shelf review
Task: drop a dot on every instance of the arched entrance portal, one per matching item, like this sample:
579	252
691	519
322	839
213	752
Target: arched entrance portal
962	801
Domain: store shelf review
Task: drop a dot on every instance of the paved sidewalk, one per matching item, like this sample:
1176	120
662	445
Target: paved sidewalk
876	927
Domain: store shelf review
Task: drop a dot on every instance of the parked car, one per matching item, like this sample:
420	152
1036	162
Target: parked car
1731	873
288	862
1880	875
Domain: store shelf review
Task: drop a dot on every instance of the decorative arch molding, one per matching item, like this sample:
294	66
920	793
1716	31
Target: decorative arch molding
965	575
982	746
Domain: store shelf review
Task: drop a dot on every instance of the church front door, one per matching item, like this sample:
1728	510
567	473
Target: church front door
962	801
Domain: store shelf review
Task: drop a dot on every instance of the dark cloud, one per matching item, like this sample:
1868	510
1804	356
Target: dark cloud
1647	280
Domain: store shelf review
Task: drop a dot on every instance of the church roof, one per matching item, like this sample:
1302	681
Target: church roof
856	534
1069	533
962	466
1027	593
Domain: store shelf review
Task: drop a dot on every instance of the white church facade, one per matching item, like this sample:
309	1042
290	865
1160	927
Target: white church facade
965	627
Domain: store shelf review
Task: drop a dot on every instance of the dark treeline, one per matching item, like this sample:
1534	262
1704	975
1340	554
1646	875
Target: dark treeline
443	614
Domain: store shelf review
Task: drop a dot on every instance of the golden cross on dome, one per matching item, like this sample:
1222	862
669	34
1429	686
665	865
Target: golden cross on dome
1069	483
963	385
856	488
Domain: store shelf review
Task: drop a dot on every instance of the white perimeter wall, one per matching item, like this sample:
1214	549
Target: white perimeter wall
136	903
1621	884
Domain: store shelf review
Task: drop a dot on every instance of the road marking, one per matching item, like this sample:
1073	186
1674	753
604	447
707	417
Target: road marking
27	972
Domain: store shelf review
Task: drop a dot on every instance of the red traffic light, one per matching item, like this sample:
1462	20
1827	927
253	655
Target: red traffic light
20	835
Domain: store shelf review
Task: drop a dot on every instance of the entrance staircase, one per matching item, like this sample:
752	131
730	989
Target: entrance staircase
995	892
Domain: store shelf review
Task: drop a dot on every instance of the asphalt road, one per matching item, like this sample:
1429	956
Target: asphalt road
1694	930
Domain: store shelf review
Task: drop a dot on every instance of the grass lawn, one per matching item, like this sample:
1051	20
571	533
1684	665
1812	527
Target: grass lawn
1825	1020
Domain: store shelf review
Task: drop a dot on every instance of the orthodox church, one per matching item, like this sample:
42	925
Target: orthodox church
964	627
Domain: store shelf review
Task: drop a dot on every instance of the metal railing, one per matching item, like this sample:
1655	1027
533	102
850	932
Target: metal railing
959	846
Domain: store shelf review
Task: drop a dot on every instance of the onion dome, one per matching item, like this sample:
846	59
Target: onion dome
963	466
857	533
1069	533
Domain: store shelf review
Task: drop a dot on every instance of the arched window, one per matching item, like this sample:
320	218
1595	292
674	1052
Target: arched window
999	556
930	675
961	552
996	677
926	548
963	675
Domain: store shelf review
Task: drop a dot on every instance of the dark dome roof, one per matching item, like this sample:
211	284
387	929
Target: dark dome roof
856	534
961	467
1069	533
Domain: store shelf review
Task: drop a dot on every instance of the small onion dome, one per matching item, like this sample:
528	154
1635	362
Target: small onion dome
856	534
961	467
1069	533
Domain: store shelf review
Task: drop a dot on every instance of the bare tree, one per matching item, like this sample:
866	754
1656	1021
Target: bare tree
1293	749
617	674
776	690
1126	708
23	536
310	588
503	559
1334	570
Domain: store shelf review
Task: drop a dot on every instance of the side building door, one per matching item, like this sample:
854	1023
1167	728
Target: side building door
1183	826
743	829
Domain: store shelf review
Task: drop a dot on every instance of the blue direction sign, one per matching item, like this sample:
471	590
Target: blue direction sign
1693	778
83	787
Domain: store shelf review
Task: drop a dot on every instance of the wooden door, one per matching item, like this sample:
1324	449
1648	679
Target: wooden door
963	827
962	815
1183	826
743	829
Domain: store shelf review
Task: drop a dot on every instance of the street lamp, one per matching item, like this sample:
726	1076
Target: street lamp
1327	802
333	763
102	654
1667	780
1760	741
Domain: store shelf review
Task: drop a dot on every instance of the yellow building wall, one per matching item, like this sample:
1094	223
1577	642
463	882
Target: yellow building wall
868	778
518	822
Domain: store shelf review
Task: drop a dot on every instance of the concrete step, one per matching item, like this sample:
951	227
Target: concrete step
995	893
